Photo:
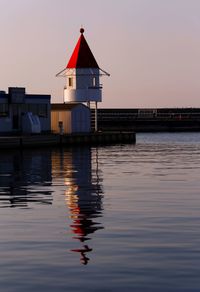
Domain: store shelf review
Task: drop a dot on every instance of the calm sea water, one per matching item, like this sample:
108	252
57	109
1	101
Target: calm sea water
117	218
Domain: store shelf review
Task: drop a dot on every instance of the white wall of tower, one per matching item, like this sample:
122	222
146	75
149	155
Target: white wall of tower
82	85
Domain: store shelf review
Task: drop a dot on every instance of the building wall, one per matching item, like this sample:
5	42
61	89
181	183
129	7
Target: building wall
84	85
5	124
82	95
17	102
74	120
61	116
84	78
81	120
5	117
45	120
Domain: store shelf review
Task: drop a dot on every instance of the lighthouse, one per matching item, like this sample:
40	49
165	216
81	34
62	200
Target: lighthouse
82	75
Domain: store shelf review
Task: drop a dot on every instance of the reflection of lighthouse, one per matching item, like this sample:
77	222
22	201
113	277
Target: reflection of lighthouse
84	199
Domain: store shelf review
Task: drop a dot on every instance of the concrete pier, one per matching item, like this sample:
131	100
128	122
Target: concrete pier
99	138
149	120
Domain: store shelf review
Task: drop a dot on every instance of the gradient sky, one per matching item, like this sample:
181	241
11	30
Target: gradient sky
151	48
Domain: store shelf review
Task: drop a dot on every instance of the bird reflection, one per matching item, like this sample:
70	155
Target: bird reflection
83	258
84	198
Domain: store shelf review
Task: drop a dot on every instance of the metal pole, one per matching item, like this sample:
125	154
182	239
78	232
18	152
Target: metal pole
96	122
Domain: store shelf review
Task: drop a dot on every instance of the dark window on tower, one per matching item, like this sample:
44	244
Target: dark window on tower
70	81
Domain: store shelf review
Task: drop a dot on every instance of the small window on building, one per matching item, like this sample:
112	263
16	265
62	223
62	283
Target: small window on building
4	112
70	81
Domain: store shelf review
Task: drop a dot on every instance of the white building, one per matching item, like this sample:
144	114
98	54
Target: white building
70	118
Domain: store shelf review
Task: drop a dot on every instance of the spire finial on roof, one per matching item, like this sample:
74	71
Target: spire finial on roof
82	56
82	30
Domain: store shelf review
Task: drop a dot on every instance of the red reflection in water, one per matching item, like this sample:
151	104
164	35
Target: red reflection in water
84	200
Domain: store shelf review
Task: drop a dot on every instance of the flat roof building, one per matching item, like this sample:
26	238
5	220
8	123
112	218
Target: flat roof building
21	112
68	118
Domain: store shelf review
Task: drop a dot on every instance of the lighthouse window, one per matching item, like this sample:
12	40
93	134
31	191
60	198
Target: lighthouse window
94	81
70	81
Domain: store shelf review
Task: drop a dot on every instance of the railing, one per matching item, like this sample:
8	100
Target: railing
95	87
89	87
116	115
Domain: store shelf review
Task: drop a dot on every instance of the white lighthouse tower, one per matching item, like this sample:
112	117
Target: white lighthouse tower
82	75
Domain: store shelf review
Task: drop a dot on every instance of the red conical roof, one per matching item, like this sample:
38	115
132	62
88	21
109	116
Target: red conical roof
82	56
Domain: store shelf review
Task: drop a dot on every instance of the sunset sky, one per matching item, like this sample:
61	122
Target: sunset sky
151	48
